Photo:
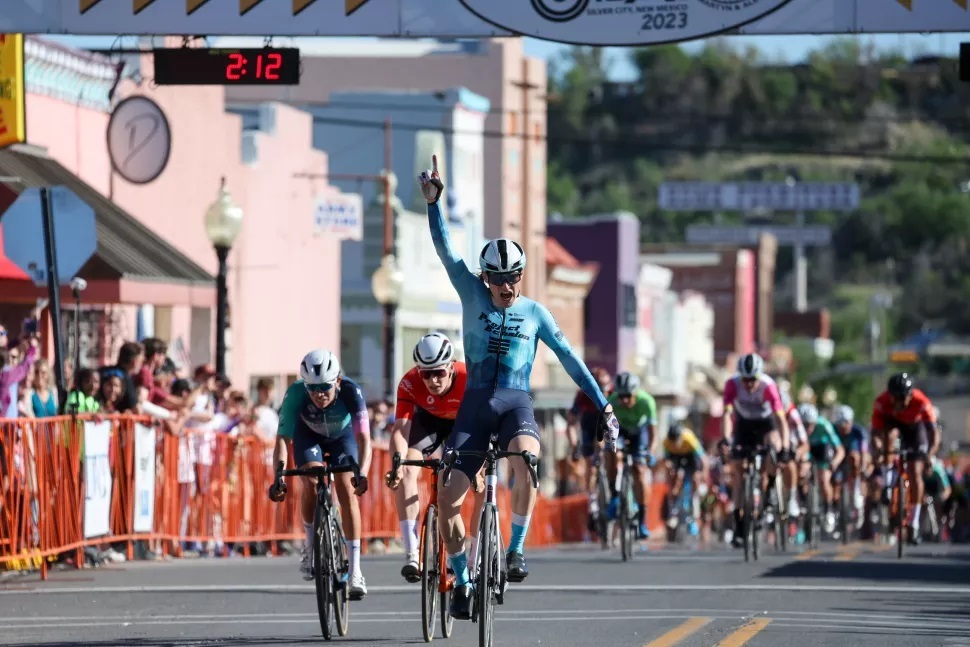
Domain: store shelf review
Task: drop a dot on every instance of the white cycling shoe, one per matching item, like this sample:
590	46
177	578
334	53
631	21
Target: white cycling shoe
358	586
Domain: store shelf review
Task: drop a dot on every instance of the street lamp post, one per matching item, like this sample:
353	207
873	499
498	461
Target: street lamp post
387	283
223	221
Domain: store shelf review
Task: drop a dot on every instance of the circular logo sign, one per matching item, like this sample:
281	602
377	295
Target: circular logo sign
139	140
621	22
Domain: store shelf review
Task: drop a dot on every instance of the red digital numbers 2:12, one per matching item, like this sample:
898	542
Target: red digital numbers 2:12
234	70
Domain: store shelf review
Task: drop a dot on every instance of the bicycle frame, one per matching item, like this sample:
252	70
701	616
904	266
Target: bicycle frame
445	584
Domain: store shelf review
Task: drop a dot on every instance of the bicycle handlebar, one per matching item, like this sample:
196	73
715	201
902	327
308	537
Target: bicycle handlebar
531	460
320	471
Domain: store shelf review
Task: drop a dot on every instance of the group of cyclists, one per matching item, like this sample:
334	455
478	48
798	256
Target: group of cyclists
441	403
457	406
759	413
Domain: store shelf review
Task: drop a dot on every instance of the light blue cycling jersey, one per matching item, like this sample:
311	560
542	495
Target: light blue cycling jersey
501	343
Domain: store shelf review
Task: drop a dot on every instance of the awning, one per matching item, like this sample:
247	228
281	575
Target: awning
128	252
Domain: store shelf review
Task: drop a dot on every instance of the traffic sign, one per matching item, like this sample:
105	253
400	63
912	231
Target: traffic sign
74	231
747	196
808	236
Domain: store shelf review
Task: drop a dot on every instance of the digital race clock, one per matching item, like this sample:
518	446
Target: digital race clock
250	66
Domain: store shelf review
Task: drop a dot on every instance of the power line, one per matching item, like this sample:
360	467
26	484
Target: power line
628	141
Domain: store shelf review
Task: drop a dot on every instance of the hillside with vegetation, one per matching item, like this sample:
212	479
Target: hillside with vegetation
899	128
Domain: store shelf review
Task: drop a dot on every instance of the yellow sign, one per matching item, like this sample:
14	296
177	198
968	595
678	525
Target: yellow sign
350	6
13	98
909	3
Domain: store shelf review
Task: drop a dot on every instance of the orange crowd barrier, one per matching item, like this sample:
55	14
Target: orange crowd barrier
62	489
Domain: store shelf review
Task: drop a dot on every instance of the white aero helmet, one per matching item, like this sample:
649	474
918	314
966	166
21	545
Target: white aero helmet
502	255
751	365
844	414
808	413
319	367
433	350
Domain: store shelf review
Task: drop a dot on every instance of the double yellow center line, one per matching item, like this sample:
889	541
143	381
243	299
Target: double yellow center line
736	638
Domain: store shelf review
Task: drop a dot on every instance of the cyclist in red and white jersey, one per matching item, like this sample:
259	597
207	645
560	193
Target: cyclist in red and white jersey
753	405
799	448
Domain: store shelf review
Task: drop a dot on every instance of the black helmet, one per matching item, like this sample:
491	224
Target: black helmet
674	432
900	385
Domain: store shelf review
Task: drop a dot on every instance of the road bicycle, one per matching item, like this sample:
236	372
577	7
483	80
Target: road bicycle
681	511
813	516
900	493
491	580
751	500
603	487
627	520
330	563
436	585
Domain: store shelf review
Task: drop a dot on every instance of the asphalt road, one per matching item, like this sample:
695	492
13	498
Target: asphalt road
855	595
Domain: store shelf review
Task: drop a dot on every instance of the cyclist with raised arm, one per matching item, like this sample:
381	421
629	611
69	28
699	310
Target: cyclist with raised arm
902	411
636	411
827	453
428	397
323	415
753	417
501	330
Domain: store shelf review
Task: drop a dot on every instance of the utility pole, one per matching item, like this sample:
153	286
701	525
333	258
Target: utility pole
526	188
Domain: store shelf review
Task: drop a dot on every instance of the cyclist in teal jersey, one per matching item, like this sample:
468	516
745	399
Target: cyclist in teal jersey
825	447
501	332
323	415
636	411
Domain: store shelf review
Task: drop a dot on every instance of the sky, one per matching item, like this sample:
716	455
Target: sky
792	49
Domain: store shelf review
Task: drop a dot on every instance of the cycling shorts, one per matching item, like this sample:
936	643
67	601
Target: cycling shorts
749	434
636	442
690	463
311	447
428	432
588	421
508	412
913	437
822	455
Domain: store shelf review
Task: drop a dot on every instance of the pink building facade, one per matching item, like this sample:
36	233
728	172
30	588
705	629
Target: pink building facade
284	287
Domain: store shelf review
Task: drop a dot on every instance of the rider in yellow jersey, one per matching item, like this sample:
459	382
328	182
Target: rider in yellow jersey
684	458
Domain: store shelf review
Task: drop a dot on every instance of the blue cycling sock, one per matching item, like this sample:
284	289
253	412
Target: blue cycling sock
459	564
520	526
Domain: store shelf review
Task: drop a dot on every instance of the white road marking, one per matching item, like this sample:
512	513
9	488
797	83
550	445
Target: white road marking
526	588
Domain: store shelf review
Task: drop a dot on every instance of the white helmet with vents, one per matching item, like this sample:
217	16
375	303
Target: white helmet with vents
319	367
434	350
502	255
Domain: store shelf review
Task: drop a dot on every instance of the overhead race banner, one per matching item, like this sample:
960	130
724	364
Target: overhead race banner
144	503
608	21
621	22
864	16
97	479
13	114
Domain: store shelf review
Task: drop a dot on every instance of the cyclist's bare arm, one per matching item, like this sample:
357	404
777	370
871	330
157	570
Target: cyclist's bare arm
572	423
280	450
727	423
782	423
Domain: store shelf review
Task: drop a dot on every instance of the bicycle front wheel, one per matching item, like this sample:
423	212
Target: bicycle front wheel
844	511
626	517
747	520
429	573
340	579
781	515
488	574
901	495
321	569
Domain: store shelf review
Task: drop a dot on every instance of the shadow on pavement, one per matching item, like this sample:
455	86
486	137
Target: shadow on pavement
929	606
242	641
882	571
